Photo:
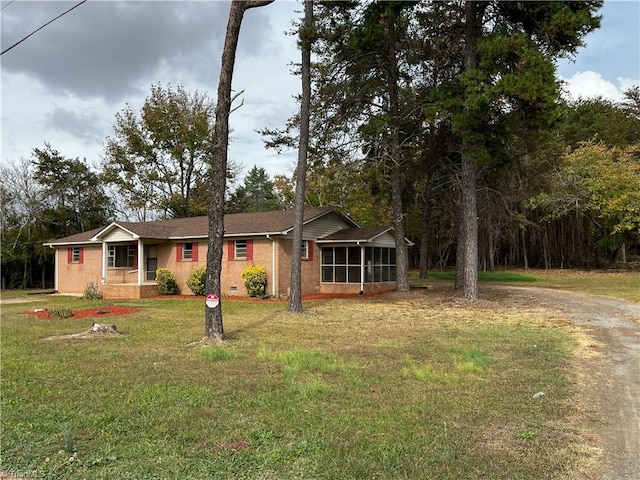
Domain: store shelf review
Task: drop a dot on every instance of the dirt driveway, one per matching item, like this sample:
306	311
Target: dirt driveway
614	326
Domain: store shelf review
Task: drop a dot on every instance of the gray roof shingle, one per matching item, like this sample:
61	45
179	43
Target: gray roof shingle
254	223
355	234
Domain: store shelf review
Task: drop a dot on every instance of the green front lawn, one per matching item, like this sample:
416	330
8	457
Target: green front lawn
384	387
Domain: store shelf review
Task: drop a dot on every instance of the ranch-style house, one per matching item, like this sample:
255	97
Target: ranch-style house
122	258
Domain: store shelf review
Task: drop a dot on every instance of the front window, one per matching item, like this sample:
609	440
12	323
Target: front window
240	249
187	251
75	255
305	250
120	256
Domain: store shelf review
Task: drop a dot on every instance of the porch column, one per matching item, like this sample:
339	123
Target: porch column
103	279
141	263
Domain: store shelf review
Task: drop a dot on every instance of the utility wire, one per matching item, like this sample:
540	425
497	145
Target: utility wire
6	5
37	30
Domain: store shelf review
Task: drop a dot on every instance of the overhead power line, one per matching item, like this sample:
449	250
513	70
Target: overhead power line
40	28
6	5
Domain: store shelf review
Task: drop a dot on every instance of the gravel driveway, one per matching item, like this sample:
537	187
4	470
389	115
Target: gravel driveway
614	325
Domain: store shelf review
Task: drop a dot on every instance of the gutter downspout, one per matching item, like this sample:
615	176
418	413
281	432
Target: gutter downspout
273	265
361	268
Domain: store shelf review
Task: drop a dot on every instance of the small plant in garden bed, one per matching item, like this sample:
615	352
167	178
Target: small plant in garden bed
62	312
91	292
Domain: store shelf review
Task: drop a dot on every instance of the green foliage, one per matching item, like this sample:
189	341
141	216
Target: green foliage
257	194
255	280
166	282
600	120
601	183
157	160
44	198
197	280
76	200
62	312
92	292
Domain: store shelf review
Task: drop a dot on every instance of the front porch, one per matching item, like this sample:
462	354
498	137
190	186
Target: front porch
129	291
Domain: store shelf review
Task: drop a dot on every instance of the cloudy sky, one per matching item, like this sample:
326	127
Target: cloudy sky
65	84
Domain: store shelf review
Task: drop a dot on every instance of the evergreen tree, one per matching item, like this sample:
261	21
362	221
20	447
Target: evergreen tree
256	194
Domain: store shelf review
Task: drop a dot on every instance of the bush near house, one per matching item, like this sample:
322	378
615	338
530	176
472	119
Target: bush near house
197	280
255	280
166	282
92	292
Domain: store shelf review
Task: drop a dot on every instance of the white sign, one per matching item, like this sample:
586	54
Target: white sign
212	300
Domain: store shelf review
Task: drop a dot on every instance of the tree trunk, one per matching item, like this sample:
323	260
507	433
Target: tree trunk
468	250
213	327
491	241
424	239
525	256
295	298
467	257
402	263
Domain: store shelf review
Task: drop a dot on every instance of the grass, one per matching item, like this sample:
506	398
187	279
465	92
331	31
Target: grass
382	387
624	285
502	276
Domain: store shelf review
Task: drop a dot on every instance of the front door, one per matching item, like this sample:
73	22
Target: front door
151	261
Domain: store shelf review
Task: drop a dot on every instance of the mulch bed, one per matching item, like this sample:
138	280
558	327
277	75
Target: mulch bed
108	311
312	296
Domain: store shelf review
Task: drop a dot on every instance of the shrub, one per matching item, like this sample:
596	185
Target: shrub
166	282
196	281
255	280
91	292
62	312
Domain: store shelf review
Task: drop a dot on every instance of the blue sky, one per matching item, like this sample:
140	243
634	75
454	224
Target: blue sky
610	61
65	84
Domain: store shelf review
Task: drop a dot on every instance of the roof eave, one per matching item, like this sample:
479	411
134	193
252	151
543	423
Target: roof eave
110	227
64	244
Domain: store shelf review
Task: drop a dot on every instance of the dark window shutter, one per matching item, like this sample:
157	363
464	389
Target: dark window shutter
309	250
70	255
178	252
249	249
232	245
194	255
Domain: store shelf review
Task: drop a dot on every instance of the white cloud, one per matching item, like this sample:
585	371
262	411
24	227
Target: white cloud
590	84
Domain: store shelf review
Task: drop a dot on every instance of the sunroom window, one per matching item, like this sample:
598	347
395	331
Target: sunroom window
344	264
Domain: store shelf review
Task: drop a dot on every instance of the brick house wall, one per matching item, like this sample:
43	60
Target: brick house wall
169	256
231	280
261	254
310	269
73	276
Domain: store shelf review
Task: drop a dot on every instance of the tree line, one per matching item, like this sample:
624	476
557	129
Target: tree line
444	120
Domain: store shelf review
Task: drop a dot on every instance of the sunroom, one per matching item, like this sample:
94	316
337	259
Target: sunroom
358	260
